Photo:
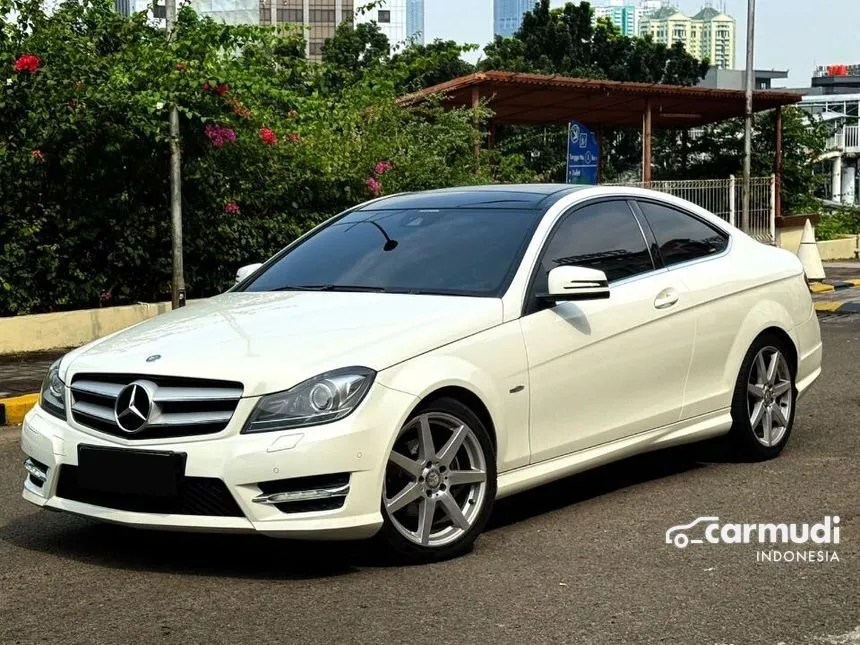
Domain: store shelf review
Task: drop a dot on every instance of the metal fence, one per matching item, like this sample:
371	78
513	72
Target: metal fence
724	198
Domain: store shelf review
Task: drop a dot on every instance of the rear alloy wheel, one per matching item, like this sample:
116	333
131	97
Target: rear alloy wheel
763	407
440	482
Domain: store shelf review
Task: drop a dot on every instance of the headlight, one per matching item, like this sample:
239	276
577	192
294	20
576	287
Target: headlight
322	399
52	398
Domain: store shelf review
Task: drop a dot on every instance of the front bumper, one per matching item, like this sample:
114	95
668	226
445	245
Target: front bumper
358	445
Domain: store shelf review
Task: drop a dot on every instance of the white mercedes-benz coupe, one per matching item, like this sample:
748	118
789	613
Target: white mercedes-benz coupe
406	363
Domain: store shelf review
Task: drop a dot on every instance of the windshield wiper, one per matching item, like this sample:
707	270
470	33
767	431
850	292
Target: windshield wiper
332	287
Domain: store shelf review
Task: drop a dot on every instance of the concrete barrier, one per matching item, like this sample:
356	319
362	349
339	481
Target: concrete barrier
844	247
39	332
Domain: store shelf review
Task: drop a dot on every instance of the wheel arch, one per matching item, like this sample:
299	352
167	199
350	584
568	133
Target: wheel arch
470	400
435	377
766	317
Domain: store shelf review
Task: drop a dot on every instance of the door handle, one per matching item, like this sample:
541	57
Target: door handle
666	298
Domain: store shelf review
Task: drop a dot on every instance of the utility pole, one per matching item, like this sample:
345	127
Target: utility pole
750	77
178	290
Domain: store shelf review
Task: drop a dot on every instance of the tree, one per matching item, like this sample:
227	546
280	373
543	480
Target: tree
419	66
565	41
718	152
270	148
354	49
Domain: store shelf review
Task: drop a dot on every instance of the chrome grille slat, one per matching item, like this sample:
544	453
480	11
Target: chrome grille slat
103	388
94	410
189	394
181	406
191	418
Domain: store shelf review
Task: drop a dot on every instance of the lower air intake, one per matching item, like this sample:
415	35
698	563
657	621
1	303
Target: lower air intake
197	496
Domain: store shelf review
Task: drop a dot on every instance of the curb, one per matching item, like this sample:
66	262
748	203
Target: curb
834	285
13	409
838	306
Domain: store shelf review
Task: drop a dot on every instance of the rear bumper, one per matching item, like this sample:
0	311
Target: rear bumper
807	337
357	445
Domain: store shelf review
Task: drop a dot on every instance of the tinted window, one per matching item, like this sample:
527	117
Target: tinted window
601	236
449	251
682	237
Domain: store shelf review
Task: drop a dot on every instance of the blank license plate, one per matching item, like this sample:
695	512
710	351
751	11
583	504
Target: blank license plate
134	472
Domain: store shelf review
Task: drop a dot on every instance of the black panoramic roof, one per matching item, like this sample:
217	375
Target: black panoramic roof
500	196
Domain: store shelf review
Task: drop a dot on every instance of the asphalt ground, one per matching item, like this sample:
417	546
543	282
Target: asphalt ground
583	560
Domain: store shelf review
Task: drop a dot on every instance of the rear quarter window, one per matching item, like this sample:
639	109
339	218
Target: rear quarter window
680	236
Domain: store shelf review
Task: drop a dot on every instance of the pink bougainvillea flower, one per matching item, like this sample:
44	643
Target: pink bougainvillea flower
219	135
374	186
232	208
37	155
268	136
382	167
221	89
293	137
28	63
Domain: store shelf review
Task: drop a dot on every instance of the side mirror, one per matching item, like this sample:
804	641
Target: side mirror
576	283
247	270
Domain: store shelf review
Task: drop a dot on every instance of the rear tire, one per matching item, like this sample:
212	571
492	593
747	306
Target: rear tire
440	483
764	400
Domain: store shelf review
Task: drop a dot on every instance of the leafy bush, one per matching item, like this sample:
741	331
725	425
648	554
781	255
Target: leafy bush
268	151
845	221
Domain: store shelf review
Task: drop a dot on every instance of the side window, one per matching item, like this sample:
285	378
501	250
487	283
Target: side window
601	236
682	237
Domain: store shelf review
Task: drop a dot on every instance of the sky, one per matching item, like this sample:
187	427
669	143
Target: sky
793	35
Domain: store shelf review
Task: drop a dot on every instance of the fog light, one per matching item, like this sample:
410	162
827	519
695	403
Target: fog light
36	472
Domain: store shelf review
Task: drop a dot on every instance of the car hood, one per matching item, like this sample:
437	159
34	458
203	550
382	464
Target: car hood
274	340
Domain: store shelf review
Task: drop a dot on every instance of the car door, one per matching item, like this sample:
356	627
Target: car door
601	370
697	253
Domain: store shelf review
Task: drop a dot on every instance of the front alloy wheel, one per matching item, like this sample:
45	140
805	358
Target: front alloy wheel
440	482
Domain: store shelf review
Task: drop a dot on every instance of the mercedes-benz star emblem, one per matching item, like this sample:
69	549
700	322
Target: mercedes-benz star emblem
132	408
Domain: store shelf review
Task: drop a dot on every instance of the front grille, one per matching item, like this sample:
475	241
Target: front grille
181	407
196	496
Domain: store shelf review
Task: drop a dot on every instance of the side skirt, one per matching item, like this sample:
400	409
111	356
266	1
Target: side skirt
699	428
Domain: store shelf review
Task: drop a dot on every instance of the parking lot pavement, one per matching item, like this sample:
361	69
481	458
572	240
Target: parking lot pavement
580	561
23	373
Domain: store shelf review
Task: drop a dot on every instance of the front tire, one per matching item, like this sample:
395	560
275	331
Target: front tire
764	400
440	483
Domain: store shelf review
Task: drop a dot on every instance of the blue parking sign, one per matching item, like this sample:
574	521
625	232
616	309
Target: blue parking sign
583	154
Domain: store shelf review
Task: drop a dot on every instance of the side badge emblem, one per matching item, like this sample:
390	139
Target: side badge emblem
153	358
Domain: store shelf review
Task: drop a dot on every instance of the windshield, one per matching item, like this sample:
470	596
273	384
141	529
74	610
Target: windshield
470	252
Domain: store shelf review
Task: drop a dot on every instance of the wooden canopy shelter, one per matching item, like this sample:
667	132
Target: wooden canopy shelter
535	99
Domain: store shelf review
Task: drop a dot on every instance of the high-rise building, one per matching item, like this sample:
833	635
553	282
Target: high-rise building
390	16
319	17
415	21
624	14
231	12
709	34
508	15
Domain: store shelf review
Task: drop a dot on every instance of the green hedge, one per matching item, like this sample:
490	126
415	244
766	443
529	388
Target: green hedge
268	151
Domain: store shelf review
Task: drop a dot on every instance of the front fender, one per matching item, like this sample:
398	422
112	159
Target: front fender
493	367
